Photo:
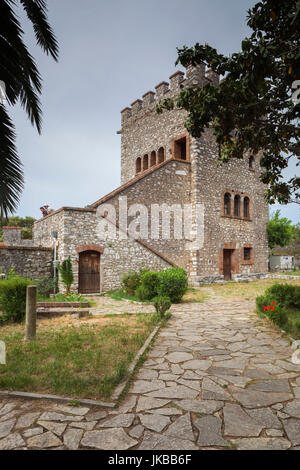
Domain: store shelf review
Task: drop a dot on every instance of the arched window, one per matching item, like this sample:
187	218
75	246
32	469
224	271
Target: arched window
138	165
145	162
251	162
153	158
237	203
161	155
246	208
227	204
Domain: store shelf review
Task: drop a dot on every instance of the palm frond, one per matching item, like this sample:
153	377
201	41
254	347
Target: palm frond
36	11
11	174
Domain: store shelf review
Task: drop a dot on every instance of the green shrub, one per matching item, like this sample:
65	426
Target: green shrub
66	272
13	298
130	282
278	316
162	305
173	283
45	286
143	293
285	294
150	281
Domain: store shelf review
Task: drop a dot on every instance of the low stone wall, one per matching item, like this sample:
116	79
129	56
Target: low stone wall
198	281
32	262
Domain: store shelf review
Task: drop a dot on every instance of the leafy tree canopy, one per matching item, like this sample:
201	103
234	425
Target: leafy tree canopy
15	221
280	231
254	108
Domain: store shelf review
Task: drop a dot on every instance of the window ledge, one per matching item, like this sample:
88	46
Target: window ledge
236	217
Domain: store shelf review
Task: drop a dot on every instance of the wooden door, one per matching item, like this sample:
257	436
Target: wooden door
227	256
89	272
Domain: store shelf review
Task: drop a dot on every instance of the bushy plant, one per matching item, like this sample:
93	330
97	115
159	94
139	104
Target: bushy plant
130	282
173	283
45	286
285	294
150	281
143	293
13	298
162	305
66	272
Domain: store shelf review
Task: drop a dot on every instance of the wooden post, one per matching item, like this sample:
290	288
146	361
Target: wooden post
30	313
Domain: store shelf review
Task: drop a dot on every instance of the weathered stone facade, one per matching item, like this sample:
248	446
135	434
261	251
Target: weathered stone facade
162	164
79	227
34	262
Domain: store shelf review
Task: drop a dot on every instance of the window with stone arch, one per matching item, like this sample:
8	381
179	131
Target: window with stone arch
227	204
161	155
237	206
138	165
145	162
251	162
153	158
246	205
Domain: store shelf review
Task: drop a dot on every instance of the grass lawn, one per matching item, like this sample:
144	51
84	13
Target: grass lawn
120	295
195	295
244	290
83	358
292	273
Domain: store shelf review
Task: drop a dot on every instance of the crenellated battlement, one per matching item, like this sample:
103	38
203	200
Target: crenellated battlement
195	76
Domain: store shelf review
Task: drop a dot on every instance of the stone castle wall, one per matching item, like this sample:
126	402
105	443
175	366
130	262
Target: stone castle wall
222	231
169	184
144	130
32	262
80	227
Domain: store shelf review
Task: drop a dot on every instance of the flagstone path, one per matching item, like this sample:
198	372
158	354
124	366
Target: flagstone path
218	377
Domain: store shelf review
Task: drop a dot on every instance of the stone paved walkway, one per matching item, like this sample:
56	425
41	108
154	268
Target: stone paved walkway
218	377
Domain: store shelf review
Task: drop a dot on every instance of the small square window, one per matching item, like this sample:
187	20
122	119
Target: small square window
247	254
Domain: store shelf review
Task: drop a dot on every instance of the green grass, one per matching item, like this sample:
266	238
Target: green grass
292	273
120	295
195	295
63	298
85	360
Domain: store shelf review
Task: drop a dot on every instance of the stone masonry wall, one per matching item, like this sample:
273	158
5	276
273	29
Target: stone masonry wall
168	184
31	262
80	227
221	232
144	130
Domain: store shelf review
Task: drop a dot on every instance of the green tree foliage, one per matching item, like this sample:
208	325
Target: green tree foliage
26	223
23	83
253	109
280	231
66	272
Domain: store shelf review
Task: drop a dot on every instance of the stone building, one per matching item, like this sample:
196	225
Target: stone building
209	219
27	260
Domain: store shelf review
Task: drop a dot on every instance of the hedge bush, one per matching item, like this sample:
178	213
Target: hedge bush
162	305
150	282
13	298
131	281
287	301
285	294
173	283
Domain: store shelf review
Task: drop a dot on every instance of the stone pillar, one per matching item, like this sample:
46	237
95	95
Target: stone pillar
30	313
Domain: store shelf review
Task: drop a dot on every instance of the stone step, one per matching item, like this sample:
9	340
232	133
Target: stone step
62	304
43	312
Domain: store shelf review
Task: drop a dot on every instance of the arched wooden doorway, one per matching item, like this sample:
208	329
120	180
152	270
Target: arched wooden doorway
89	272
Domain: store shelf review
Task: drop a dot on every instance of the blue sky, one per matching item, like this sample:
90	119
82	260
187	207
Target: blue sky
111	53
